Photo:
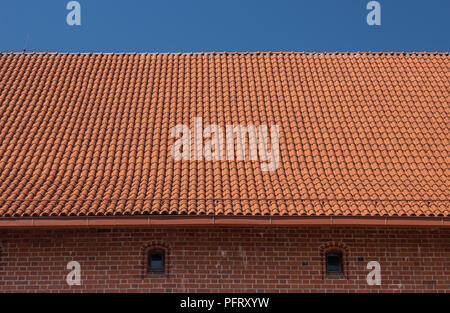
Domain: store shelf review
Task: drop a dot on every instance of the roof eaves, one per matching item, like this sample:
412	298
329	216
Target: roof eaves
239	221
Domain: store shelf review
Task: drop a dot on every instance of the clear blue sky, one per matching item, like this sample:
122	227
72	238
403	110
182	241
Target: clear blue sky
224	25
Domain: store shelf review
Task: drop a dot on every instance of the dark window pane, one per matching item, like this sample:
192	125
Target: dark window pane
156	260
334	261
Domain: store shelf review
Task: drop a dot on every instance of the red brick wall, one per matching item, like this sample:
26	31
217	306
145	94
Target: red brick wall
214	259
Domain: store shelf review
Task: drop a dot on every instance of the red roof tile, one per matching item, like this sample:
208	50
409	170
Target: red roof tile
361	134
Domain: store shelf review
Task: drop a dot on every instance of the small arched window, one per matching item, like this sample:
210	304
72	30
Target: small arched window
156	260
334	262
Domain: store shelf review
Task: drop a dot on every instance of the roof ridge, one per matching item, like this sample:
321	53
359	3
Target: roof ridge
238	53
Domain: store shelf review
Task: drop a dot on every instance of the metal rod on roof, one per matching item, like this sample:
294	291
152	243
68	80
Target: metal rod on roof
26	42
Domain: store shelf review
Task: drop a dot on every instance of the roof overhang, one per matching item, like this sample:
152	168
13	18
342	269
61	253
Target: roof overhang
240	221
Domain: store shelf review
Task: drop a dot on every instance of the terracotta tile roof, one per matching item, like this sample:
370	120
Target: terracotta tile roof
361	134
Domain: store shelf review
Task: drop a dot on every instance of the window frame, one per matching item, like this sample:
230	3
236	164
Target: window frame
156	251
340	255
343	251
157	273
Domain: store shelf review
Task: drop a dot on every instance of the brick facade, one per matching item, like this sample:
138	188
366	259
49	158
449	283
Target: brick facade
225	259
